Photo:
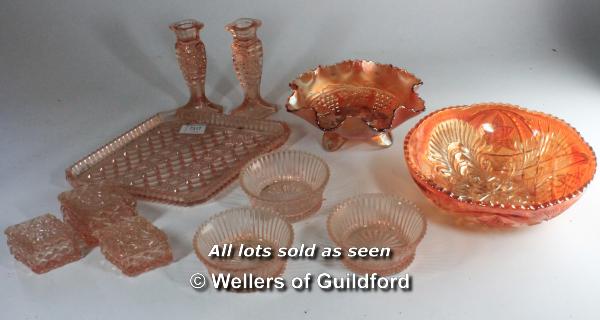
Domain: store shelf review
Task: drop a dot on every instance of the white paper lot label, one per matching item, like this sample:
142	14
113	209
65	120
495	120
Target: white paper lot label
192	129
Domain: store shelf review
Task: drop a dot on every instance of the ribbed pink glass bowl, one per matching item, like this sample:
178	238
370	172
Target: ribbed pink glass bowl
250	227
377	221
288	182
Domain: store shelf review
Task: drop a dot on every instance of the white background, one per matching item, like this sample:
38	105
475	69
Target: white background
75	74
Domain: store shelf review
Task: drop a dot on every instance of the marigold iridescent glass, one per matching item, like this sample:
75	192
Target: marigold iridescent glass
499	165
355	99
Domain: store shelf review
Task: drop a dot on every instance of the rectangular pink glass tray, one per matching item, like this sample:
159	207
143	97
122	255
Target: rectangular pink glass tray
154	161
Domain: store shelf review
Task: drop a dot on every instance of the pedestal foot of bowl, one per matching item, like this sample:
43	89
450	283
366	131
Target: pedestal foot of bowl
333	141
383	139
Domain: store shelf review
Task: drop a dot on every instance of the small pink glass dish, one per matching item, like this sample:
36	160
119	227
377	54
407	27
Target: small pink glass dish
92	207
355	99
134	245
377	221
290	183
44	243
246	226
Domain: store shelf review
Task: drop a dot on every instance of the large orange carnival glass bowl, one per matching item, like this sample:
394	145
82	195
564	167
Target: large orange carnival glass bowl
355	99
499	165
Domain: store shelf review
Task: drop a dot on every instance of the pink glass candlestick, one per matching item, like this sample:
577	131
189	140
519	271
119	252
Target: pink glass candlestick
247	53
192	61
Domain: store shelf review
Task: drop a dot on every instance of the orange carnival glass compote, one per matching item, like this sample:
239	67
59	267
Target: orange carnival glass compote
355	99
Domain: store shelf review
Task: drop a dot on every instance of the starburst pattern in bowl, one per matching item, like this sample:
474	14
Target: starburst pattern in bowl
498	164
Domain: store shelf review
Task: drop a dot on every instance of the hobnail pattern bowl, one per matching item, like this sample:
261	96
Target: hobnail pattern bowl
355	99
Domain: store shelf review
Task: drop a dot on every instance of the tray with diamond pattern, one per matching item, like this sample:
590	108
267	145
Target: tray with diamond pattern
162	160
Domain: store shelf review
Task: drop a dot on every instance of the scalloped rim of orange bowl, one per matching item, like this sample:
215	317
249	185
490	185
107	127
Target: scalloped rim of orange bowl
415	173
315	71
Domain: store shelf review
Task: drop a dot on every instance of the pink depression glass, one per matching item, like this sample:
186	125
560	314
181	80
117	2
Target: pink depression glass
44	243
250	227
247	54
289	182
377	221
134	245
158	162
92	207
191	55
